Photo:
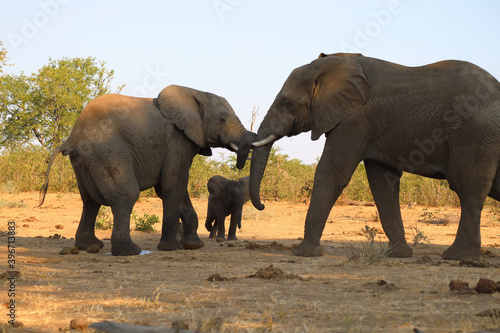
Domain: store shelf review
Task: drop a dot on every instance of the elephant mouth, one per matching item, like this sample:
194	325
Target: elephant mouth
297	128
263	142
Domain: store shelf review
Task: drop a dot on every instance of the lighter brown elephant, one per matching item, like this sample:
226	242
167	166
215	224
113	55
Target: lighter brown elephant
122	145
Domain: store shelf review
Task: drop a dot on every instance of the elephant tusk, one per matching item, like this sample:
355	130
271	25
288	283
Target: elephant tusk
234	146
265	141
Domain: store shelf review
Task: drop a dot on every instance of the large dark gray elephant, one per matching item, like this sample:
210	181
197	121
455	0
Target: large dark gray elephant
121	145
440	121
227	197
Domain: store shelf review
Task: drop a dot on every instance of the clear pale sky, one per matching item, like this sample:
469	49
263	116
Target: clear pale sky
243	50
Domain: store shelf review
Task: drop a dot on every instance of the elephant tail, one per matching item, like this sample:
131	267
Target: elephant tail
45	186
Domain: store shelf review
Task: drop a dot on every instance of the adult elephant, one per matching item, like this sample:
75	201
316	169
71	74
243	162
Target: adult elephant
440	121
121	145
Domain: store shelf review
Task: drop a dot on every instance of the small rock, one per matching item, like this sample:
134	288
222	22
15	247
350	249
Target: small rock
269	273
474	263
216	277
115	327
69	250
26	225
272	273
251	245
180	325
381	285
55	236
458	285
79	323
425	259
59	226
65	250
487	253
486	286
213	325
93	249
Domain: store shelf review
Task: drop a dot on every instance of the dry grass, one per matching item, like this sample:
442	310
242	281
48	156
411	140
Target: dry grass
328	294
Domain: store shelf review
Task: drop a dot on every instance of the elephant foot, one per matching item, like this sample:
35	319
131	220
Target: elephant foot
232	238
124	248
192	244
220	239
174	245
399	250
212	234
457	252
83	244
307	249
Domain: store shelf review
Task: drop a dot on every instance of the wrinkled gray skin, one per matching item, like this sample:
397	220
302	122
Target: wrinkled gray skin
440	121
122	145
227	197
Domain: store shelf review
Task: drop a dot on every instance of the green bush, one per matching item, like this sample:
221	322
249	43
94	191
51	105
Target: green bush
104	220
358	188
145	223
23	169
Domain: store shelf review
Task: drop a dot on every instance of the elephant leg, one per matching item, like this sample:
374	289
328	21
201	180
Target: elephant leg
472	185
220	225
190	239
235	222
170	225
158	191
209	222
495	190
121	242
338	162
115	182
85	234
467	242
213	231
384	184
177	205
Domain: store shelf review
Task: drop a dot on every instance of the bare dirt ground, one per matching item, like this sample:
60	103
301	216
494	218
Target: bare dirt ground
334	293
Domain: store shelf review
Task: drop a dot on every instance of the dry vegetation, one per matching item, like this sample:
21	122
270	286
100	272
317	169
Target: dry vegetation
338	292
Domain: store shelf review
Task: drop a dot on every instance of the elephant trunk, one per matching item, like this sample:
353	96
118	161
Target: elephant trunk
260	156
274	126
244	147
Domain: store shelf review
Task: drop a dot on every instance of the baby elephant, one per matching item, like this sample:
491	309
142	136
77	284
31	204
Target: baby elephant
226	198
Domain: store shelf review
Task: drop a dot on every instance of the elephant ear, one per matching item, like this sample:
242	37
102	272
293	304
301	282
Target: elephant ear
183	108
339	90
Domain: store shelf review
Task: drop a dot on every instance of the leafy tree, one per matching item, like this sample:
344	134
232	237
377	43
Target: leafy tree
3	57
45	105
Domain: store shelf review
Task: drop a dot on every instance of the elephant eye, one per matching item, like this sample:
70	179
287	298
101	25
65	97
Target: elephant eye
287	104
222	120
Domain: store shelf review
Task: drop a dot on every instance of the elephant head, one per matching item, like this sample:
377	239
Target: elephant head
206	119
315	97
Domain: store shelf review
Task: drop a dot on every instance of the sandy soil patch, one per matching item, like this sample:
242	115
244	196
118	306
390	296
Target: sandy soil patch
254	284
